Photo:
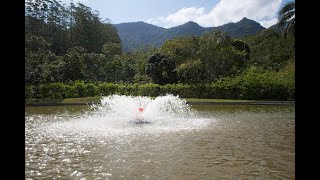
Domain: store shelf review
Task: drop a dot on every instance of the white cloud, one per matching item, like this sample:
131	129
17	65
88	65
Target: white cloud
180	17
269	23
262	11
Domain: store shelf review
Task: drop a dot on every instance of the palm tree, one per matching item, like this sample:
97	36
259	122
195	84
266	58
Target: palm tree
286	17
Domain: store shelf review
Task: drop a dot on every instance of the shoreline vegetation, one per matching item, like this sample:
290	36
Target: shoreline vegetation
277	86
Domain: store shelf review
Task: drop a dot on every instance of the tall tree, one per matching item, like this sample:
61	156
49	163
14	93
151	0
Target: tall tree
37	57
48	19
74	64
89	32
221	55
191	72
270	50
287	17
161	69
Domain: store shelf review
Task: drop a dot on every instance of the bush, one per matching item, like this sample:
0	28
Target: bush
166	89
149	89
71	91
133	89
106	89
80	89
52	91
29	92
122	89
269	85
91	90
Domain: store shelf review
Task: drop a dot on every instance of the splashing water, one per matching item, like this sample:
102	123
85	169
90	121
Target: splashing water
128	107
114	114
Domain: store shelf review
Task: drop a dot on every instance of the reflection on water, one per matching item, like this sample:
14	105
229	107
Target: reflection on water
231	142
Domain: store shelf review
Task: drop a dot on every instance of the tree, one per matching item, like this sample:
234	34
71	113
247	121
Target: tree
65	43
181	49
161	69
93	66
110	49
241	46
286	17
128	71
48	19
74	64
270	50
192	71
222	56
113	69
37	57
54	71
89	31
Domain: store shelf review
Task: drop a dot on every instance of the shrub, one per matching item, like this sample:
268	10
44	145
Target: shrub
91	90
29	92
52	91
71	91
269	85
107	88
80	89
149	89
57	91
122	89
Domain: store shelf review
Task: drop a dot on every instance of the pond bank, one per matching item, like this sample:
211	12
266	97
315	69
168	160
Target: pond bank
192	101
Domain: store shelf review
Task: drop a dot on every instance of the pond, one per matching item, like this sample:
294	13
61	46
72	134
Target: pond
200	142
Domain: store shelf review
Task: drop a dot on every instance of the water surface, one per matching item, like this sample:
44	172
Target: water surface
213	142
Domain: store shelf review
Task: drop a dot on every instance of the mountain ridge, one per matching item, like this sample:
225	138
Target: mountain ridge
136	35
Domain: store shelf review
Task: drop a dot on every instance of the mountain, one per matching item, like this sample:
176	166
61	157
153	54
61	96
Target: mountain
139	34
277	28
188	29
245	27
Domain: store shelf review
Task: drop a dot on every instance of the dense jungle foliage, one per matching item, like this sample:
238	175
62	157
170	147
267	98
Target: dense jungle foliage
71	52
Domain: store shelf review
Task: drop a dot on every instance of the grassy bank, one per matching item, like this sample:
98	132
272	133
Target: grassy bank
83	100
96	100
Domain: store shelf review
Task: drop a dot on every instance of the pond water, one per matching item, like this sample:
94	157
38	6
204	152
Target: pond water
189	142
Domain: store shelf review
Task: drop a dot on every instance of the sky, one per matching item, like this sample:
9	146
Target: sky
170	13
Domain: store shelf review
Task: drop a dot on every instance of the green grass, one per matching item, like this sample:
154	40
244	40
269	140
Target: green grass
42	101
95	99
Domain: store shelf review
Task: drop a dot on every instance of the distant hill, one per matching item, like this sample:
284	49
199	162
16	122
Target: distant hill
244	27
187	29
277	28
138	34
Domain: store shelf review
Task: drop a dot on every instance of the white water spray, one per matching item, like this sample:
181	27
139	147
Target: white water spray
112	117
128	107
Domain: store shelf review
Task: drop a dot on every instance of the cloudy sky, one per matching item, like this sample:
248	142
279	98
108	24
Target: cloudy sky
169	13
